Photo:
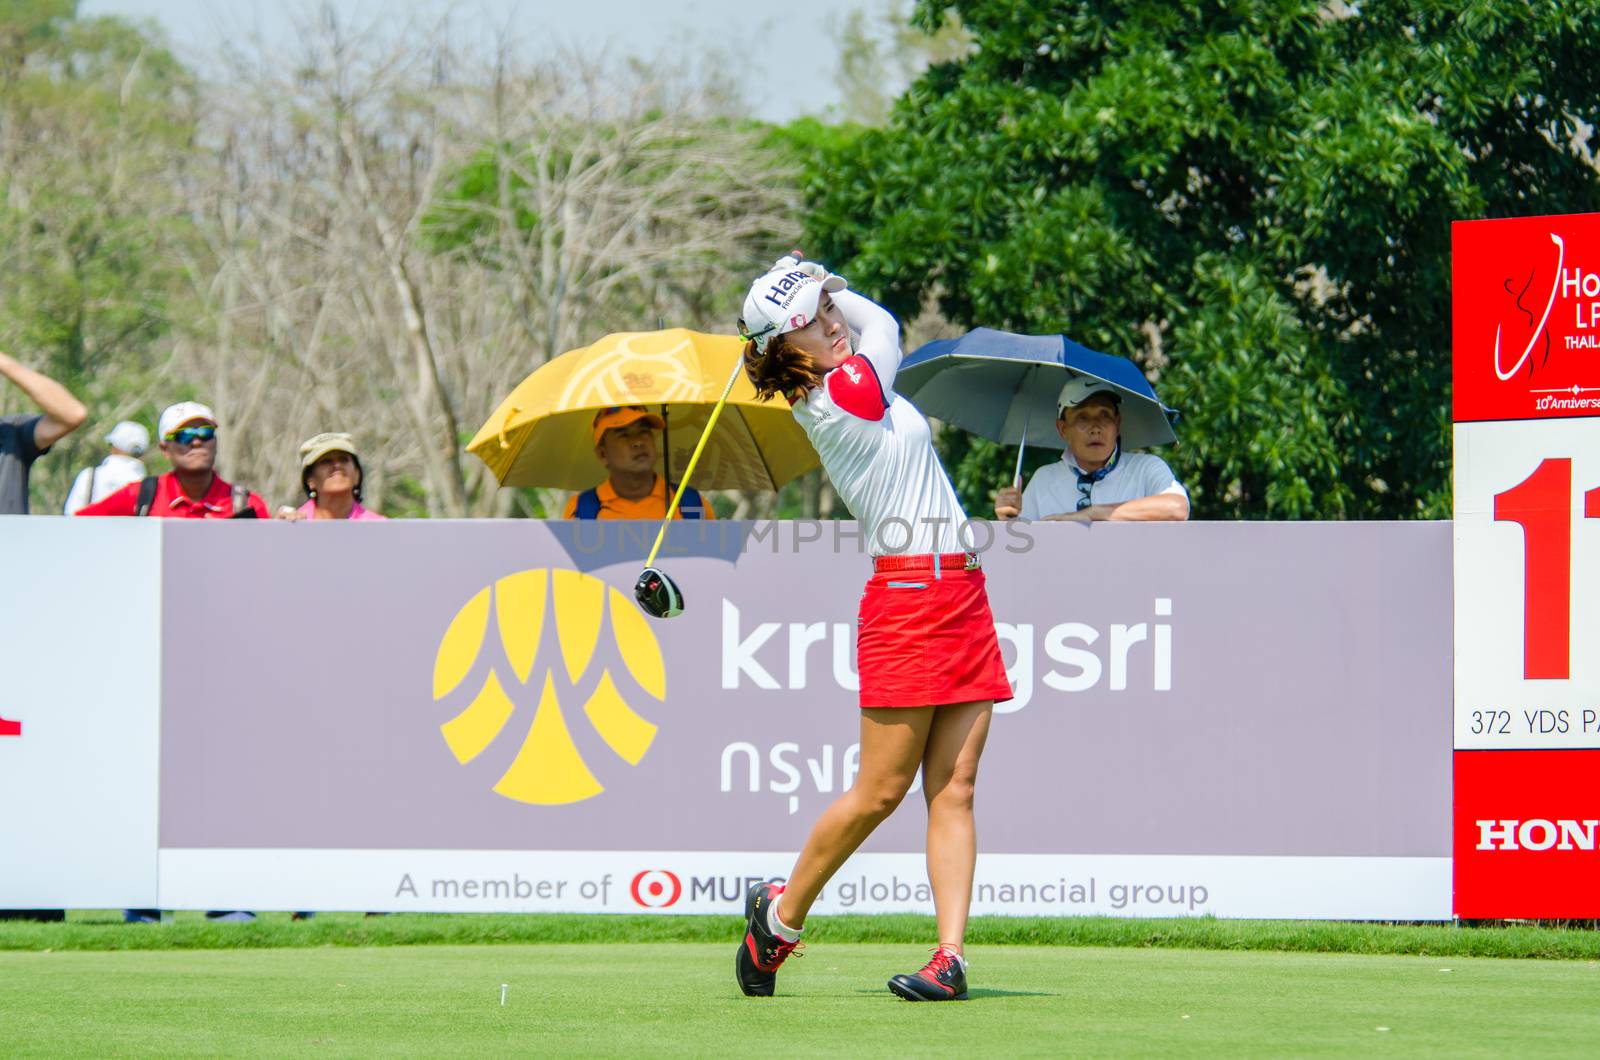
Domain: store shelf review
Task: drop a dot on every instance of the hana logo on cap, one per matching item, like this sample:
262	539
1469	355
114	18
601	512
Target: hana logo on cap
549	770
785	299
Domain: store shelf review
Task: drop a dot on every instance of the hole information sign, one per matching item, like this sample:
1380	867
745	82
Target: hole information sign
1526	410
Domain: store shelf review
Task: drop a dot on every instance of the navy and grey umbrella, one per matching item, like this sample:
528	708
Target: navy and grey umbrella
1003	387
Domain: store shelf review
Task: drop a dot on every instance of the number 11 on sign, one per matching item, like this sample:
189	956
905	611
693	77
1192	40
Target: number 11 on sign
1541	504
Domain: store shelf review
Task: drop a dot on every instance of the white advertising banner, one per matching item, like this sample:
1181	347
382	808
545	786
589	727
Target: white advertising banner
1243	720
675	881
80	682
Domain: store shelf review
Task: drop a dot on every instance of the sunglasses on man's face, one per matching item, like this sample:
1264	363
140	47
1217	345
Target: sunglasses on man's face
192	435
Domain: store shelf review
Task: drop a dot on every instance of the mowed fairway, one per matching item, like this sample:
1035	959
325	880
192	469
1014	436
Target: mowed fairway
679	999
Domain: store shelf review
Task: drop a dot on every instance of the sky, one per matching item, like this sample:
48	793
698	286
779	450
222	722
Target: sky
782	65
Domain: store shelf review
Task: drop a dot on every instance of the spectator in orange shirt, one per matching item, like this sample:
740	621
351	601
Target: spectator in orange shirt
625	443
192	489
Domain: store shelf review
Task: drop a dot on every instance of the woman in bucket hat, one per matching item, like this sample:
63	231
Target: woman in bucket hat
330	475
928	658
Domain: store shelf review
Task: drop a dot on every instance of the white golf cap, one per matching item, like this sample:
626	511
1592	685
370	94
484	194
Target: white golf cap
783	300
1081	388
183	412
130	437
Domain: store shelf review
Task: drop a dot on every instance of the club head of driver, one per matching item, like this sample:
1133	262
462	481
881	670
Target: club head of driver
658	594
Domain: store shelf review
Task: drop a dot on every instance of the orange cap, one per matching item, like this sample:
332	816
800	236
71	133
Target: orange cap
621	416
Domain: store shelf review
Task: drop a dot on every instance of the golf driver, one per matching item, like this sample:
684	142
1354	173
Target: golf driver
658	595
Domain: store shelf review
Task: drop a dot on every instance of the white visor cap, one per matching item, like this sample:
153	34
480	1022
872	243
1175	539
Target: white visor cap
783	300
1081	388
175	416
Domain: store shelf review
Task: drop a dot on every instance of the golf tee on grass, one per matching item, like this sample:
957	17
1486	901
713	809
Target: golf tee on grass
688	472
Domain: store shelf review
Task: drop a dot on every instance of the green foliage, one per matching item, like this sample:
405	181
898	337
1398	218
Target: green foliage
104	930
96	122
1251	198
880	51
459	219
808	141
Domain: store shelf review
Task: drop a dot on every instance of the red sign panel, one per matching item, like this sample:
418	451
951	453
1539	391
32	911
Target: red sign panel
1527	834
1526	311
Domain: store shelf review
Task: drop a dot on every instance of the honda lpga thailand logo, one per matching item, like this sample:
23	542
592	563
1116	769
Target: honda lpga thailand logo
548	769
1526	293
1536	834
656	888
1519	293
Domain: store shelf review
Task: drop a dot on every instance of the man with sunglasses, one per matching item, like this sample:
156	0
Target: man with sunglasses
192	489
1095	479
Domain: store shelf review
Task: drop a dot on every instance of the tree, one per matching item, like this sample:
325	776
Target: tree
880	52
398	230
1252	199
96	127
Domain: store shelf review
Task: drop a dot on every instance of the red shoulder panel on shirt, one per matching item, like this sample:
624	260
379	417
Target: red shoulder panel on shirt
853	386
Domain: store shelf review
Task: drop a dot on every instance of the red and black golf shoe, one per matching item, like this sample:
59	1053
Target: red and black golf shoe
756	966
944	978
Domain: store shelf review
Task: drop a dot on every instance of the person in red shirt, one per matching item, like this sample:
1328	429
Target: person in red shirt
192	489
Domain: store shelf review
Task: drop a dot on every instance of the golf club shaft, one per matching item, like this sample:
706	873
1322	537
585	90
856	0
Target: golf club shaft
1022	446
683	484
1027	414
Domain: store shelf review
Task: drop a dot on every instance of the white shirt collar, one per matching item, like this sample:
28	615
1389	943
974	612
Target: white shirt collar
1117	456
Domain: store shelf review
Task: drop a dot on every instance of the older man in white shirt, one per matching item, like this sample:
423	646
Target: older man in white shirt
1095	479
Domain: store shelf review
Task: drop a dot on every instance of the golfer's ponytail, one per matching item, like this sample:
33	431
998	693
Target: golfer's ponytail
781	369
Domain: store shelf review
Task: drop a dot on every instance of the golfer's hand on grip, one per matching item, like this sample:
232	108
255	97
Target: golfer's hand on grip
796	260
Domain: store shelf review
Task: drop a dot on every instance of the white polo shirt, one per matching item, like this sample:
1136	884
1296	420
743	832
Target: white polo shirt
877	448
114	472
1053	490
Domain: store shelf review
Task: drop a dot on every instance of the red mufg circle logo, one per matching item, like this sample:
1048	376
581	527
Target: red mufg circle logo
656	888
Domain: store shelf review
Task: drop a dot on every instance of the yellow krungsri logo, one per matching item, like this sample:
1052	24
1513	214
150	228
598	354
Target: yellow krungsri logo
548	770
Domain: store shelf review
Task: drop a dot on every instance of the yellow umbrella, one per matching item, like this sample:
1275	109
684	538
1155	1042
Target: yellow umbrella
542	435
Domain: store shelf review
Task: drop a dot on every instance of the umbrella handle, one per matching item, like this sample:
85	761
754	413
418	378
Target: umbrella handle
501	433
705	436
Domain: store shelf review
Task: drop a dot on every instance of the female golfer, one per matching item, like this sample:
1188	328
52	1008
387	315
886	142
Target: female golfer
928	658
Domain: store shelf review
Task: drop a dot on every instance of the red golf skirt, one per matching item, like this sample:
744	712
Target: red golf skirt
926	636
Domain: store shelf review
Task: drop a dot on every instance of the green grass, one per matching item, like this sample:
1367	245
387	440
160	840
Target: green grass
678	999
103	930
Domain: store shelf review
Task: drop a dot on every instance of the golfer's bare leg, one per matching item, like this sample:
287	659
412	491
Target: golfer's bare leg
949	774
892	743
